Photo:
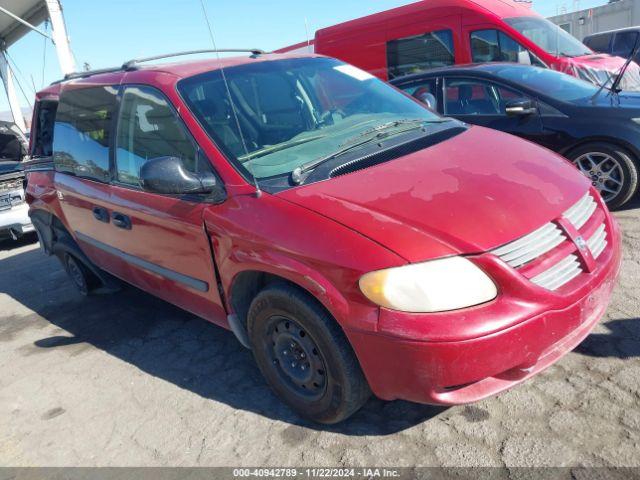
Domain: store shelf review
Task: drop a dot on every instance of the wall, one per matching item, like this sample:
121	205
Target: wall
620	14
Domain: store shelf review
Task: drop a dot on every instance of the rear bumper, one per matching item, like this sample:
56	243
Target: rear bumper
463	371
15	220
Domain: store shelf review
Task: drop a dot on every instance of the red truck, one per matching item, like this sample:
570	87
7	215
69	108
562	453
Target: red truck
354	240
437	33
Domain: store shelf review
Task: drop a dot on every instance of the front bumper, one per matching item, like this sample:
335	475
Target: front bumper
461	357
15	221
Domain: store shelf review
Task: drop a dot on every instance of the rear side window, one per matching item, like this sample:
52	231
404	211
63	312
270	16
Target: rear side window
623	43
598	43
42	130
497	46
148	128
82	132
421	52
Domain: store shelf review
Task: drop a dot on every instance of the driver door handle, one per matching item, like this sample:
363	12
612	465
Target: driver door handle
121	220
101	214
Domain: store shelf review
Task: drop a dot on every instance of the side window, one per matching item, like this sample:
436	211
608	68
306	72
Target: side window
421	52
599	43
473	97
148	128
82	132
424	90
623	43
497	46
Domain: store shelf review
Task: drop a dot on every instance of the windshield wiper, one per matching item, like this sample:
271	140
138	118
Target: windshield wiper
414	123
279	147
381	131
614	90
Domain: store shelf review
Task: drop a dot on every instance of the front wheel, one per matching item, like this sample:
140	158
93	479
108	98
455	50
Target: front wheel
611	169
304	355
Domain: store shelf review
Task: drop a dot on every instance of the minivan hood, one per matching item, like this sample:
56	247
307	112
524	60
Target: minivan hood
469	194
602	61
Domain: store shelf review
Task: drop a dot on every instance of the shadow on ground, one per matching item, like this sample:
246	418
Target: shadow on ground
622	340
165	342
8	244
632	205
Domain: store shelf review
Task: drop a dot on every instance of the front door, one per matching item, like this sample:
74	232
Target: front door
484	103
161	237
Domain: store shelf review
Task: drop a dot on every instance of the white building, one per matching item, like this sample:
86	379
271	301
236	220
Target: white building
615	14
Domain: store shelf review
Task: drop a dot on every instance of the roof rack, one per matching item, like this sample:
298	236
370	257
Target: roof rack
133	64
87	73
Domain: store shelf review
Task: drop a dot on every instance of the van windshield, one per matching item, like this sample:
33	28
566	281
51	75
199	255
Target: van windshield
275	116
548	36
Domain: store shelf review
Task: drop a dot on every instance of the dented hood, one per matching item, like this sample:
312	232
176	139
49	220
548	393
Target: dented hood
469	194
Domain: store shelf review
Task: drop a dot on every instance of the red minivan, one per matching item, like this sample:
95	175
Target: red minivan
436	33
354	240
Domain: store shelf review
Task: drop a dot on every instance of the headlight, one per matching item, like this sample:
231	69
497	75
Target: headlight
435	286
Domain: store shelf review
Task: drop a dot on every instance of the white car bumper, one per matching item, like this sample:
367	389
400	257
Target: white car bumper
15	221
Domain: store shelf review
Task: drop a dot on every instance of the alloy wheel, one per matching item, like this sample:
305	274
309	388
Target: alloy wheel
604	172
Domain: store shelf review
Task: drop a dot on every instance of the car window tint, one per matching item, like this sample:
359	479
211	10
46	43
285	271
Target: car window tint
623	43
148	128
423	90
82	132
471	97
496	46
598	43
506	95
421	52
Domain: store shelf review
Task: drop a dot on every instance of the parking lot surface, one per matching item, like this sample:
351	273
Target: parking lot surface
127	379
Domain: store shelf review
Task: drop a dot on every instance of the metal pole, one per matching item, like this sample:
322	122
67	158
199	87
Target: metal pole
27	24
12	97
60	38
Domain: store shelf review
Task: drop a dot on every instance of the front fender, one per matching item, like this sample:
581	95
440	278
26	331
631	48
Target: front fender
270	235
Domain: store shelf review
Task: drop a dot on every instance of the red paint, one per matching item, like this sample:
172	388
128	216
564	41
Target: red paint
466	195
362	42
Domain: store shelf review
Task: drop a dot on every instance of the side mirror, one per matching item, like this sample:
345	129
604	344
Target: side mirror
167	175
428	99
520	108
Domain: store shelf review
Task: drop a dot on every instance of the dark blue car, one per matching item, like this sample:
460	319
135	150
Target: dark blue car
599	131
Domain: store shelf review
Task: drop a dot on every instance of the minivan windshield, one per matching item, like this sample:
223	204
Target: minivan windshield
272	117
550	82
548	36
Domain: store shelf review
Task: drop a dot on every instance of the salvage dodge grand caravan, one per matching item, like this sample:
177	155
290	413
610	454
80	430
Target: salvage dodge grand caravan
355	241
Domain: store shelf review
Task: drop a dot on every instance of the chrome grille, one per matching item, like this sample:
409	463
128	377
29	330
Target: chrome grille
561	273
598	241
532	246
581	212
10	185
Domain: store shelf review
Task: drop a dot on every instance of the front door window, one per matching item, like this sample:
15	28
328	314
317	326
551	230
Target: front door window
496	46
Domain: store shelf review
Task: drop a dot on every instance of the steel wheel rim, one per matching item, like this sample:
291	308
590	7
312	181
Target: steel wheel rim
76	274
604	172
296	358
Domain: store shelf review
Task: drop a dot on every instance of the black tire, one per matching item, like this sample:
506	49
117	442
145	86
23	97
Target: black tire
334	386
627	172
80	275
